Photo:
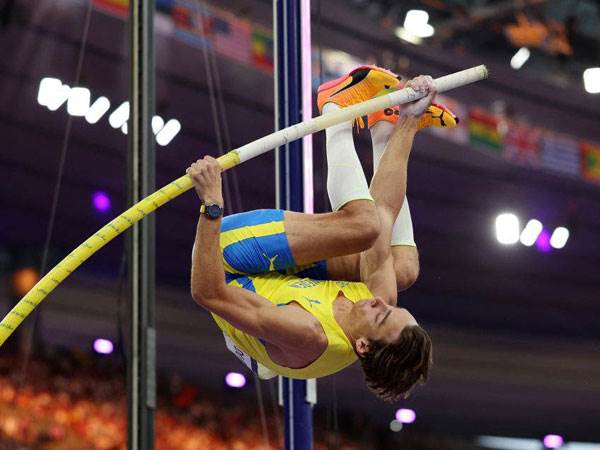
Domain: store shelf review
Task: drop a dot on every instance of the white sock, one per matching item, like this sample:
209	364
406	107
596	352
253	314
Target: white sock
402	231
346	180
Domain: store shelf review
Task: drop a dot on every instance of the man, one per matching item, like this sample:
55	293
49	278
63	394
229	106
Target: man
267	276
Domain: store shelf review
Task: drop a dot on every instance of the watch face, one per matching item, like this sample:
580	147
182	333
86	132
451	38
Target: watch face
213	211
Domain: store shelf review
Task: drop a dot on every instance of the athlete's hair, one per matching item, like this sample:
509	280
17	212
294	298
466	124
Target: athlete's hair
393	369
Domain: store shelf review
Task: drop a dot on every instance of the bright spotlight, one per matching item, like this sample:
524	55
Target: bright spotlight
520	58
559	237
415	27
157	124
405	415
103	346
119	116
591	80
507	229
58	97
168	132
553	441
79	101
531	232
97	110
49	88
235	380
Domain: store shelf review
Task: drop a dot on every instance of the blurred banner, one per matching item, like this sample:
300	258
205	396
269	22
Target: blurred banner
515	140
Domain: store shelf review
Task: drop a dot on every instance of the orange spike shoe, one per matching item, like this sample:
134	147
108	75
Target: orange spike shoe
436	116
363	83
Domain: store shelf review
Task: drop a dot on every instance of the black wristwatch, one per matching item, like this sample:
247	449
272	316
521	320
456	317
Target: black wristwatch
211	211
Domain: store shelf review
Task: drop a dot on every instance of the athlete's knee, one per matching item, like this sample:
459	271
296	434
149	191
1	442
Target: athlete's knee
363	223
407	271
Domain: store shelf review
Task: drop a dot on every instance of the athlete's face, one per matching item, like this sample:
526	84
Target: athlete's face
374	319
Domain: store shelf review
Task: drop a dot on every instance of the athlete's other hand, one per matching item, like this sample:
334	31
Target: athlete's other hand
421	84
206	176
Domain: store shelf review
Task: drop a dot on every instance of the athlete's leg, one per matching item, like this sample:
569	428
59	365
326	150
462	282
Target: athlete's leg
354	224
404	250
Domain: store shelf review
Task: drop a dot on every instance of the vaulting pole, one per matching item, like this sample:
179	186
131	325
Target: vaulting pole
141	361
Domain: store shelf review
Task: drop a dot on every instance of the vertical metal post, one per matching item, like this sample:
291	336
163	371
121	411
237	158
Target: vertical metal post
141	365
296	396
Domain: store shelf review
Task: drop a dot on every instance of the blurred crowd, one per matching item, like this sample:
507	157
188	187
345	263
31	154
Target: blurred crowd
68	401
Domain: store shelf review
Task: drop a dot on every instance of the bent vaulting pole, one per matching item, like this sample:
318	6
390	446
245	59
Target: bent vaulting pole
231	159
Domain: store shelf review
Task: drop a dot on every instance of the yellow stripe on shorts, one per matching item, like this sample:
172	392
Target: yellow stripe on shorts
239	234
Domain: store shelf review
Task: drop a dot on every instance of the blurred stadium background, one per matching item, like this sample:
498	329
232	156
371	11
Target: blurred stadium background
514	310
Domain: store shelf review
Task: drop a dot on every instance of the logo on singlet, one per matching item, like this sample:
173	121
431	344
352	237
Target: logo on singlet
304	283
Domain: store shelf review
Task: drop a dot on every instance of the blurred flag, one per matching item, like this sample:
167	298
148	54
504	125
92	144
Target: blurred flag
590	167
231	37
262	49
119	8
484	129
522	144
560	153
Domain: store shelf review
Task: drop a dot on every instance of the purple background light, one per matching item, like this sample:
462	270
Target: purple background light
235	380
543	241
103	346
405	415
101	201
553	441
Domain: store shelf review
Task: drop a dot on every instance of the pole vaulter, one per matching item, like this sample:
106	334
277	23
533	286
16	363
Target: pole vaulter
118	225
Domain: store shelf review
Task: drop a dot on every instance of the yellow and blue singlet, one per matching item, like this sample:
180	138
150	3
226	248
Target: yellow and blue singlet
257	257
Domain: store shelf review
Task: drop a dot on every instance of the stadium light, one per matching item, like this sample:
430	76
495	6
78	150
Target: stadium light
119	116
235	380
507	229
78	103
48	89
591	80
531	232
103	346
508	443
559	237
101	201
520	58
58	98
553	441
395	425
157	124
168	132
415	23
543	241
97	110
405	415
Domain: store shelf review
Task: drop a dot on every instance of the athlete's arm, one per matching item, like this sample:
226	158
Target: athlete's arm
388	190
251	313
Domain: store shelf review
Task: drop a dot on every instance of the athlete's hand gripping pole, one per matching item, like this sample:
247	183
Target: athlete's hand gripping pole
231	159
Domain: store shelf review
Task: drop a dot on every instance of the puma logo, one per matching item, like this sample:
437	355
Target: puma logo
271	262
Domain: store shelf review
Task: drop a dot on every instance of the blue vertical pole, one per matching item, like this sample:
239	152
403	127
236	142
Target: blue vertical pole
297	396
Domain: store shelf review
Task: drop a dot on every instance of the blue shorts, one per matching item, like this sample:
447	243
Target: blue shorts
255	242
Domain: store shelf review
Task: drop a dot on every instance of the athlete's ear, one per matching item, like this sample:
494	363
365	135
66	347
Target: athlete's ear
362	346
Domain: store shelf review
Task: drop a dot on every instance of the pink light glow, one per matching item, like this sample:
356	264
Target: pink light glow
103	346
235	380
405	415
101	201
307	147
543	241
553	441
